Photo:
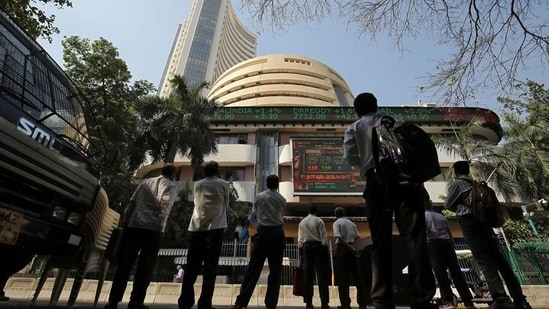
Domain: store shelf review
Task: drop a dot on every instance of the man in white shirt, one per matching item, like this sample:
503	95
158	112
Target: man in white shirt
347	261
312	241
208	223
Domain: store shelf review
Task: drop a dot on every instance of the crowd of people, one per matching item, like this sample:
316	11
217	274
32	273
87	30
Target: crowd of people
426	236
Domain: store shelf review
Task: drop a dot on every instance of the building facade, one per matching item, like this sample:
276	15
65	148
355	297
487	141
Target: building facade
207	43
286	115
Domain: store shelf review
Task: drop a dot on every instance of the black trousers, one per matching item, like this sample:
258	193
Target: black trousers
268	244
144	243
316	261
405	202
444	259
347	266
204	251
483	244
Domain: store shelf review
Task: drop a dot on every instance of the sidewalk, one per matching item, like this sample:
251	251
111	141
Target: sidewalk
163	295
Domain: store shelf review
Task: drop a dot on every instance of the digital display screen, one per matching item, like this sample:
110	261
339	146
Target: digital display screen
348	115
319	168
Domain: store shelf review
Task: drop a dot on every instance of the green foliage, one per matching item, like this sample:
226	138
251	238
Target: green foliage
176	234
517	231
178	123
526	140
104	79
31	18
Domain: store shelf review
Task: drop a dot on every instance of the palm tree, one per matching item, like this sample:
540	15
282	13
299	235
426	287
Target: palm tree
527	141
178	123
485	158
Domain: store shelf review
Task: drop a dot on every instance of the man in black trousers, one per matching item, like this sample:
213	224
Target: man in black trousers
312	241
268	244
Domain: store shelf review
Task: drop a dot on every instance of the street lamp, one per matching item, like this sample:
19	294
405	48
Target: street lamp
528	215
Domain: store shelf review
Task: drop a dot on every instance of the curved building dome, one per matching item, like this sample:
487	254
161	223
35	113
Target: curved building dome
281	80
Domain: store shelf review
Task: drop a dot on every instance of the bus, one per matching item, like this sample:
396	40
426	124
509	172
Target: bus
48	181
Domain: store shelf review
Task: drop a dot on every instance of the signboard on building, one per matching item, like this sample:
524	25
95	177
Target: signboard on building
319	168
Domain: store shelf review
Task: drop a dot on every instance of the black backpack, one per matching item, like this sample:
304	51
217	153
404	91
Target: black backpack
485	204
403	152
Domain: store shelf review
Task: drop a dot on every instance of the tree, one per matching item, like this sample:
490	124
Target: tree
526	142
491	41
485	157
176	234
31	18
178	123
104	80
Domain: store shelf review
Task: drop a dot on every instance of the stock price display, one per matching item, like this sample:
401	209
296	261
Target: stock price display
319	168
348	115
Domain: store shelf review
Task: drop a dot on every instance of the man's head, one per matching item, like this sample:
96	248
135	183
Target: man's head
339	212
211	169
169	171
365	103
461	168
313	209
272	182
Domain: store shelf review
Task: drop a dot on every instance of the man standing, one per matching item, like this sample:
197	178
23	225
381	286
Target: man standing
208	223
483	244
443	258
347	261
382	201
269	243
144	224
312	240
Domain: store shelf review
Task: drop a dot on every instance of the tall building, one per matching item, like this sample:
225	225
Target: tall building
207	43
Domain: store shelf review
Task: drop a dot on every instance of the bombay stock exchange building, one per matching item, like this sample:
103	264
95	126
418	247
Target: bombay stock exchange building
286	114
208	42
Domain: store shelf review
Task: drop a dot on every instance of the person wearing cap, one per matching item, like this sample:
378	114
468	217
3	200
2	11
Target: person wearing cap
347	261
403	201
483	244
312	241
268	244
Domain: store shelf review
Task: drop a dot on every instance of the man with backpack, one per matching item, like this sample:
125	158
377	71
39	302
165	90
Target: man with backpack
383	200
483	244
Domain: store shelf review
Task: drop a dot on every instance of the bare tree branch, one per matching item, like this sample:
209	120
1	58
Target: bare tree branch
493	41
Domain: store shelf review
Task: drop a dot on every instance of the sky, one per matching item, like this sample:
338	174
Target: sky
144	30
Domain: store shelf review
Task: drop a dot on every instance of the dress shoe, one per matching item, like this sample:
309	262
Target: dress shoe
237	306
4	298
111	305
136	305
425	306
523	305
505	304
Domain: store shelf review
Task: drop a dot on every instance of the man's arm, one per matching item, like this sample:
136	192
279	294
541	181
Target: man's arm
350	149
452	197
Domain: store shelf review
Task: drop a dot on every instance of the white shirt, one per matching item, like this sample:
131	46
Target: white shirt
311	228
345	229
357	143
211	201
